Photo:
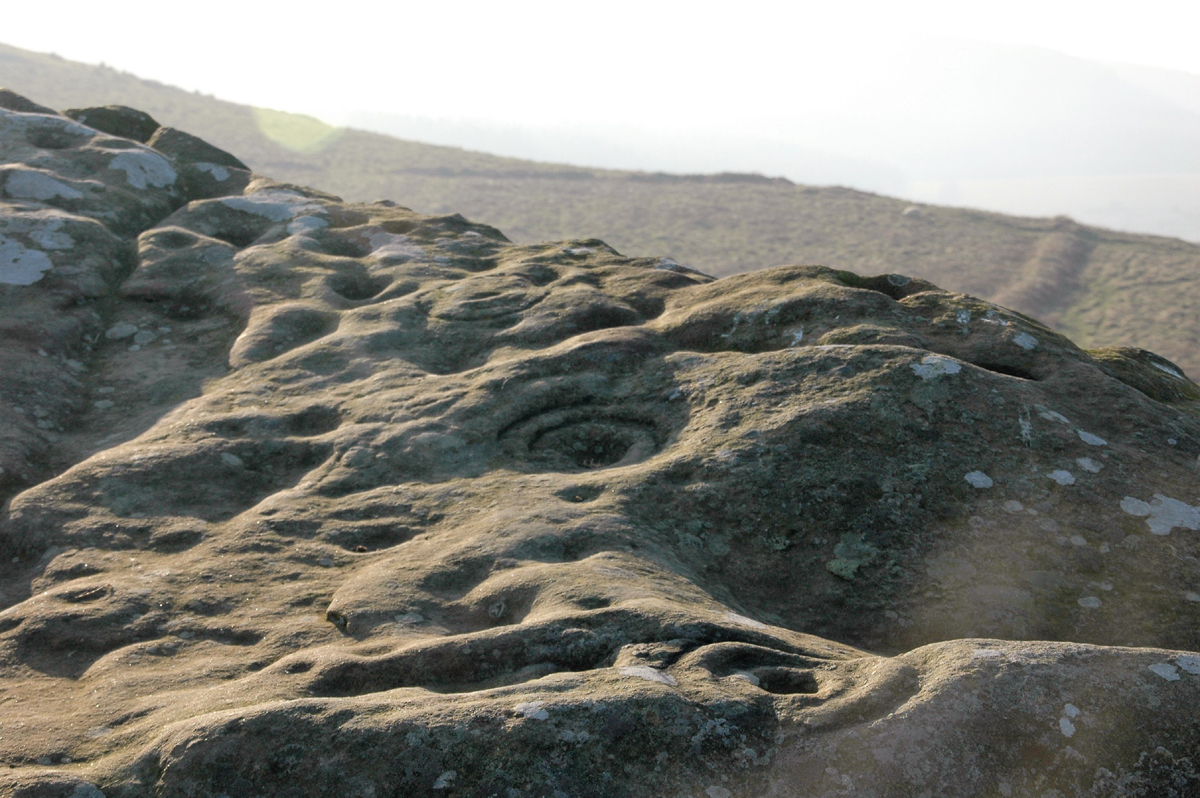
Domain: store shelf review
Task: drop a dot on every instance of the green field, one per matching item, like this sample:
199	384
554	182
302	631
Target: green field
1100	287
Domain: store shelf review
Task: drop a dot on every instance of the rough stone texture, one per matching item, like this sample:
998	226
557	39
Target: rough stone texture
116	120
12	101
310	498
186	148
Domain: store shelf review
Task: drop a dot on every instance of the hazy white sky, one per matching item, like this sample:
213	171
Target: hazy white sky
557	62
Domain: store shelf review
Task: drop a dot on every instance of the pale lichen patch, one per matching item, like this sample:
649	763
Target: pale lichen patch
306	224
1166	670
647	673
1062	477
1163	513
850	554
218	172
1053	415
978	479
533	710
144	168
932	366
36	185
20	265
1025	341
1026	433
120	331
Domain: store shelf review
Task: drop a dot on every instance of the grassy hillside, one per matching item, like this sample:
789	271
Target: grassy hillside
1100	287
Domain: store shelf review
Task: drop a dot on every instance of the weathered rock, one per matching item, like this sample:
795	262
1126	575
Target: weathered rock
52	161
11	101
116	120
351	500
186	148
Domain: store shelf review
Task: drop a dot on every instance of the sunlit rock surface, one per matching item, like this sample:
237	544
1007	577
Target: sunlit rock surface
310	498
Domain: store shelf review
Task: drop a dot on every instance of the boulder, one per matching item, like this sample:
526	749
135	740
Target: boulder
186	148
11	101
116	120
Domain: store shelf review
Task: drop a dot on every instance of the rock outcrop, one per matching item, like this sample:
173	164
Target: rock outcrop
307	498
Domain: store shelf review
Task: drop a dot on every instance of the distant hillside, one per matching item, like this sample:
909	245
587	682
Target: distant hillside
1014	129
1098	286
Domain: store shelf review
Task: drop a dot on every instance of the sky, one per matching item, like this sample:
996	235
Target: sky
546	63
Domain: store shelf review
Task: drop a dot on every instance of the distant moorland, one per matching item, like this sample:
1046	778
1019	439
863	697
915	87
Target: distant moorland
1099	287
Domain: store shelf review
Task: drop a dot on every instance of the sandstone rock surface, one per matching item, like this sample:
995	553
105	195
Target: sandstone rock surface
314	498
